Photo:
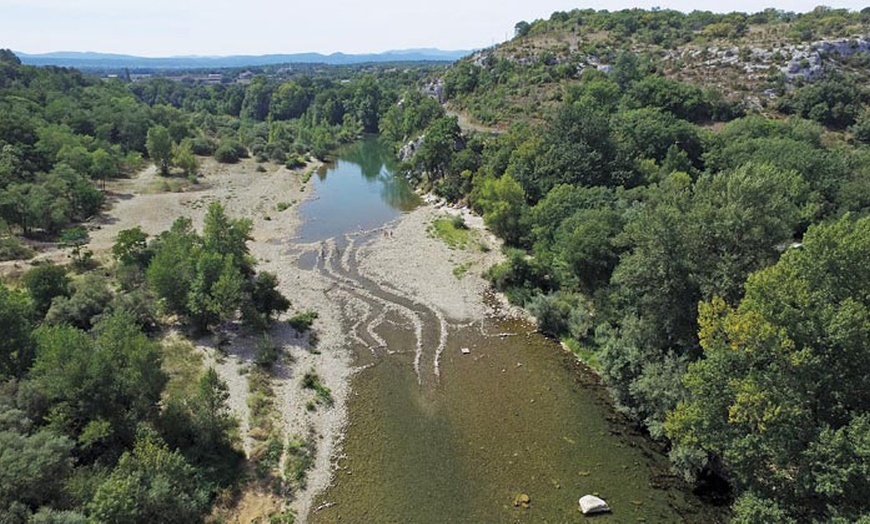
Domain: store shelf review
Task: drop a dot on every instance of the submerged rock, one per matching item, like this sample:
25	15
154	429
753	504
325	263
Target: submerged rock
590	504
522	500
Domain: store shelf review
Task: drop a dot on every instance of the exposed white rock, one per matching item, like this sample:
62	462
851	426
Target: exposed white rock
590	504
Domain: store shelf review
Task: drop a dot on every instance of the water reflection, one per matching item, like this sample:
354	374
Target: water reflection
359	191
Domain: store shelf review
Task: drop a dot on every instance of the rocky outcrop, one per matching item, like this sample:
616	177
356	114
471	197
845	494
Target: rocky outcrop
407	151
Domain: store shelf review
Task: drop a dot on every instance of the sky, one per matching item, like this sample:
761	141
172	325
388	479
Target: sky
233	27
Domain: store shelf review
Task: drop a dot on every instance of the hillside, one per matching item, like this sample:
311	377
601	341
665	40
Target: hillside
751	59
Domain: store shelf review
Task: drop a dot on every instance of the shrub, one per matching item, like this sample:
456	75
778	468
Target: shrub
302	322
12	249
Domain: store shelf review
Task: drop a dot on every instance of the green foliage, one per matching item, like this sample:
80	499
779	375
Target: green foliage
434	154
833	101
266	353
502	201
229	152
265	301
150	484
44	283
89	299
16	324
159	145
13	249
130	247
172	269
302	322
300	459
209	279
76	239
183	157
98	388
451	231
322	393
780	396
34	463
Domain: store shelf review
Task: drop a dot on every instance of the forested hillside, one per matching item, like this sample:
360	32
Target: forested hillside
692	230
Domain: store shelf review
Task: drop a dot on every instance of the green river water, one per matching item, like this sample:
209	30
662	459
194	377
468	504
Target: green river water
457	441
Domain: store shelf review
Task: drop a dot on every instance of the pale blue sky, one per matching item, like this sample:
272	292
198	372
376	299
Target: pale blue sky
224	27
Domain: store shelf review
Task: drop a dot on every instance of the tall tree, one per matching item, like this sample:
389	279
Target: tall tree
159	145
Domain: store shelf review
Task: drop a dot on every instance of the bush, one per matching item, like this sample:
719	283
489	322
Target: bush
230	152
226	155
12	249
302	322
294	161
267	353
203	146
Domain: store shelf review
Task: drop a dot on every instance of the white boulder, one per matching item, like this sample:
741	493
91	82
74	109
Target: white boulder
590	504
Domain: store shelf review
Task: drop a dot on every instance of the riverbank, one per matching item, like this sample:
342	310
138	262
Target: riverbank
403	256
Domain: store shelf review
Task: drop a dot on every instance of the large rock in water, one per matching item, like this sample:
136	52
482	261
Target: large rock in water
590	504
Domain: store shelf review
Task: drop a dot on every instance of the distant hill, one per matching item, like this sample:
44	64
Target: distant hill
106	61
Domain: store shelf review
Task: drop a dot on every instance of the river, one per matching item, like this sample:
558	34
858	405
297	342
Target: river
438	435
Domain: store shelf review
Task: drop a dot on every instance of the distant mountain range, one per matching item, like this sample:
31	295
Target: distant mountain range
112	61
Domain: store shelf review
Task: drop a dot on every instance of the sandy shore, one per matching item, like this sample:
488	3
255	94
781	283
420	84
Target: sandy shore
406	258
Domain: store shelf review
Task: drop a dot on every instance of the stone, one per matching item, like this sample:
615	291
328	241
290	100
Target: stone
465	351
522	500
590	504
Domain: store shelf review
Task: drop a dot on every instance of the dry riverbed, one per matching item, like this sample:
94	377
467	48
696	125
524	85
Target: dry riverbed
406	257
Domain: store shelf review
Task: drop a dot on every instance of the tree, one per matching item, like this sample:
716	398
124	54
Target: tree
130	246
436	151
522	28
173	267
150	484
76	239
33	464
16	324
503	203
159	145
98	388
258	95
226	236
782	398
265	301
184	158
44	283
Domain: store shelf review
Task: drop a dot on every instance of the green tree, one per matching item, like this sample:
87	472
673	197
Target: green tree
782	397
16	323
173	267
150	484
439	144
44	283
98	388
34	463
183	157
159	145
130	246
503	204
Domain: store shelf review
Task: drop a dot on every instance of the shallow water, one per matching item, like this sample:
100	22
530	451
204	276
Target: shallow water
436	435
357	192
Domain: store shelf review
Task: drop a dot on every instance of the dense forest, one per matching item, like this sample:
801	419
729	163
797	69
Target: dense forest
698	239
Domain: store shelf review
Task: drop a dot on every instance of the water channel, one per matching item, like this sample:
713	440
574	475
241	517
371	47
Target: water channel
436	435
